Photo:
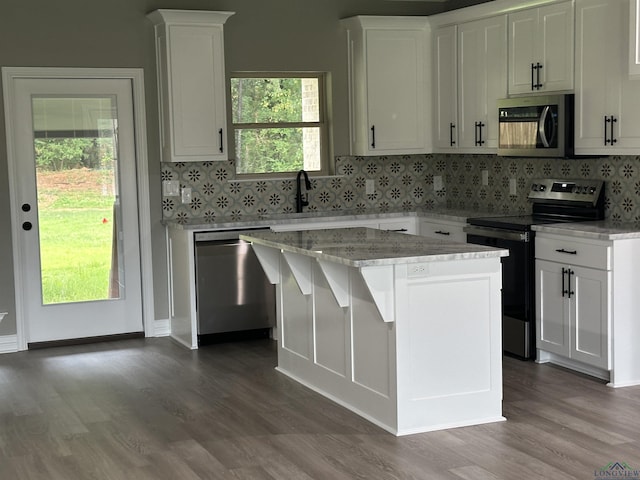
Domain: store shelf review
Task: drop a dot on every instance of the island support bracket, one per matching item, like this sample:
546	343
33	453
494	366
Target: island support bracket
380	283
337	276
300	266
269	258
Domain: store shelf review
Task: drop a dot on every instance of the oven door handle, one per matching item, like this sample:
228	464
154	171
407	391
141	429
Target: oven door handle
497	233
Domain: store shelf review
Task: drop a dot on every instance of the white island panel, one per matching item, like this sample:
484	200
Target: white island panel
417	346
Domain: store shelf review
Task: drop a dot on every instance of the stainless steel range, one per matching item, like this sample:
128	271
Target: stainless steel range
554	200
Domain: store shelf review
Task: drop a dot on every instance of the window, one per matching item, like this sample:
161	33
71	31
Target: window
278	123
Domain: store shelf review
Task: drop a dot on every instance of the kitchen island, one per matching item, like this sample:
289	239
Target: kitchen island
403	330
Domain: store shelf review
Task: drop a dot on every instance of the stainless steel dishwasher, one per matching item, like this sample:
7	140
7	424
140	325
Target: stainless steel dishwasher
234	298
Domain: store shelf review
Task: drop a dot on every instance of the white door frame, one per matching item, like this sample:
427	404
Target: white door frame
136	75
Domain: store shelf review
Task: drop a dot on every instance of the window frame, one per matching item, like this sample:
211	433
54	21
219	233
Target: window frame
322	123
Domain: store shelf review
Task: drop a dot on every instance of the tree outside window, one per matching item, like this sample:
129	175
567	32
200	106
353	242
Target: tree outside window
278	123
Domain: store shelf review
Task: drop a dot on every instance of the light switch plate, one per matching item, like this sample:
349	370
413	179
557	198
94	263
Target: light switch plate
370	186
437	183
170	188
186	195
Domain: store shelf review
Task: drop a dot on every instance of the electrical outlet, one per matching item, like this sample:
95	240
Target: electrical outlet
186	195
370	187
512	186
437	183
485	177
170	188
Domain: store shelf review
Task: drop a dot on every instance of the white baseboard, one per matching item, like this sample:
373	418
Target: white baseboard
161	328
8	343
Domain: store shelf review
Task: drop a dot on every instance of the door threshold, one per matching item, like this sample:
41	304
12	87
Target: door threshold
85	340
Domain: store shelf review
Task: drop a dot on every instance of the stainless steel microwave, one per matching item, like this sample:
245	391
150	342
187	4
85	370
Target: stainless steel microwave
537	126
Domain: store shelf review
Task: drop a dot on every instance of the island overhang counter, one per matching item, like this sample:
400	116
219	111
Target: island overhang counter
401	329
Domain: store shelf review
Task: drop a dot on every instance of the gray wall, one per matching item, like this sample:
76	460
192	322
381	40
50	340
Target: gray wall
263	35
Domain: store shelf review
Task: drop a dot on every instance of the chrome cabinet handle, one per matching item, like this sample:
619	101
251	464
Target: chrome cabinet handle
221	144
570	252
440	232
452	142
373	136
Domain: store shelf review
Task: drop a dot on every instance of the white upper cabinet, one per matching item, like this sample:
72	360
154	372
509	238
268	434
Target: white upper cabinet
541	49
470	75
445	78
191	84
482	80
607	100
389	87
634	38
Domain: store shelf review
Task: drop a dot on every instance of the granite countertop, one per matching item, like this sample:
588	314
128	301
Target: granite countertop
363	247
222	223
596	230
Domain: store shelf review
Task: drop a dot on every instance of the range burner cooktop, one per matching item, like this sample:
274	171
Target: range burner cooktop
554	201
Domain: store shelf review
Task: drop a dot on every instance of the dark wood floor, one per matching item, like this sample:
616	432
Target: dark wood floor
149	409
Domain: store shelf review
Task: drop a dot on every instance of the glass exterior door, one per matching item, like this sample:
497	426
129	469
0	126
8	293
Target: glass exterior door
80	254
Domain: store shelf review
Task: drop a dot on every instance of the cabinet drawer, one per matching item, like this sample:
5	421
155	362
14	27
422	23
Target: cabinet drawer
443	231
571	252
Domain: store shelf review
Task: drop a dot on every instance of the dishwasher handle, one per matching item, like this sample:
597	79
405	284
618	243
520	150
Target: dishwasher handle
225	234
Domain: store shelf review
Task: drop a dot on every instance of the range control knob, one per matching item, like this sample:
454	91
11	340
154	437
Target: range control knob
542	187
592	190
534	187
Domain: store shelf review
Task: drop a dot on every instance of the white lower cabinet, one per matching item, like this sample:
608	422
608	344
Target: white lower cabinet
587	305
573	312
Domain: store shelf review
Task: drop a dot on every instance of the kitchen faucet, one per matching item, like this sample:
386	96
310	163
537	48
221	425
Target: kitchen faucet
300	201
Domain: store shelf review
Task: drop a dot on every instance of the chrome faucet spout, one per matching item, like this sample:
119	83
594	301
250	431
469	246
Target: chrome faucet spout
302	201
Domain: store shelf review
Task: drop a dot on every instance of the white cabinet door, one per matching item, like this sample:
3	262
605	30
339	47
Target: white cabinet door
445	99
607	101
482	80
590	316
573	317
191	84
541	49
388	85
552	314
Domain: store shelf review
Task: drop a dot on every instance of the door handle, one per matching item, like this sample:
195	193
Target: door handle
564	290
452	127
569	273
440	232
221	143
611	139
478	132
373	136
536	67
533	86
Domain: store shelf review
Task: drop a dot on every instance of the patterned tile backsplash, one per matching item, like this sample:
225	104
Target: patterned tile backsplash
401	183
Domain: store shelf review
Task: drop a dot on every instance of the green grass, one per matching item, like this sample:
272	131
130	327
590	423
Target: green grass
75	244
